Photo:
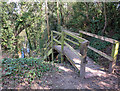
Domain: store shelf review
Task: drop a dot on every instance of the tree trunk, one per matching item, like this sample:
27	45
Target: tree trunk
103	31
34	42
87	17
58	16
46	11
0	52
30	46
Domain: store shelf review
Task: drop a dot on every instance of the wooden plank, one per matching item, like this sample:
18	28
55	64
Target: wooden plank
72	41
48	44
57	41
74	59
99	37
73	50
74	36
101	53
57	33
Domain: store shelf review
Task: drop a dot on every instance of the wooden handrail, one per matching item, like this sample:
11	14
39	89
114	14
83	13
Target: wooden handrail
114	53
72	41
83	43
101	53
57	41
57	33
48	44
74	36
99	37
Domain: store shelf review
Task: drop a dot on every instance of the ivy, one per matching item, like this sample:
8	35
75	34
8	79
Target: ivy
31	68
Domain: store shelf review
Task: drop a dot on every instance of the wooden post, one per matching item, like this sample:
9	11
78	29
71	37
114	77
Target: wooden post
0	65
45	49
0	53
114	55
47	17
83	52
52	45
80	34
62	46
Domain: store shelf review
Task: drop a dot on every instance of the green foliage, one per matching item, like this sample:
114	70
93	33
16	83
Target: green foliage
98	44
18	18
90	17
30	69
116	36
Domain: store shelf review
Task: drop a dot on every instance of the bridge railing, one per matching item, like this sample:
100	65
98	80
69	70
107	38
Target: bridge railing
63	40
114	53
82	43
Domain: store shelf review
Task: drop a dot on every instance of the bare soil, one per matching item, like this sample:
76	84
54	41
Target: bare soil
67	78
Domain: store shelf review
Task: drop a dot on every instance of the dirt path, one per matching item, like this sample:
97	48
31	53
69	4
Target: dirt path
69	79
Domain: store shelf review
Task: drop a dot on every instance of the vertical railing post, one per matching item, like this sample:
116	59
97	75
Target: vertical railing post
80	34
0	52
1	65
62	45
114	55
52	45
45	49
83	52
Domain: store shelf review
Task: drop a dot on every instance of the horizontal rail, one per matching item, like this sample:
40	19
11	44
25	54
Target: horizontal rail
57	33
57	41
48	39
48	44
99	37
74	36
101	53
47	49
49	52
72	41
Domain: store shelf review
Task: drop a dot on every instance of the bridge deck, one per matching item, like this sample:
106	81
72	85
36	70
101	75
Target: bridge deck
92	69
72	57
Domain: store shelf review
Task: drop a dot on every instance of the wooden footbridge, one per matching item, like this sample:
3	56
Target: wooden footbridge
60	42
